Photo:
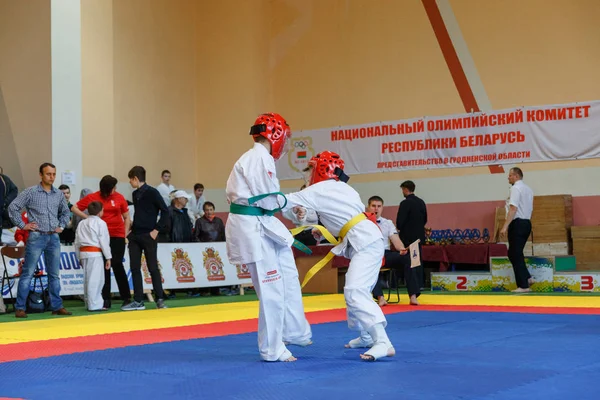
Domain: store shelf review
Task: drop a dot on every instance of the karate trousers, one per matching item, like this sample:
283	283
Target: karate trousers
93	270
362	312
281	311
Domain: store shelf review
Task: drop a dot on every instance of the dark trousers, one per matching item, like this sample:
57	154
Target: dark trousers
419	271
518	233
139	242
306	238
117	248
399	262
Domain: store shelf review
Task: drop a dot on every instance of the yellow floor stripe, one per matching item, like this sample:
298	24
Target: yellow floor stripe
511	300
57	328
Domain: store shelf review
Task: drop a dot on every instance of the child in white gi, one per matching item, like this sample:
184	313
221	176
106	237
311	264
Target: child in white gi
341	211
255	237
92	241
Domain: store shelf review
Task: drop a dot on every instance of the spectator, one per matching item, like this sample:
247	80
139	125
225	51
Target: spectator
48	214
67	236
116	216
398	259
209	228
2	195
179	228
131	210
148	204
165	188
76	217
8	192
196	204
91	244
410	222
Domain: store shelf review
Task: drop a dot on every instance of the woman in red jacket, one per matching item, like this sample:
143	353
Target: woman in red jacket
116	216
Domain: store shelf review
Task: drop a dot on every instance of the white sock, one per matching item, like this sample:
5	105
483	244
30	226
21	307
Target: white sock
365	337
379	334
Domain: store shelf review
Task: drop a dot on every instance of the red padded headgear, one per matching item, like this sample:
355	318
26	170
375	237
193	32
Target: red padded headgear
324	167
274	128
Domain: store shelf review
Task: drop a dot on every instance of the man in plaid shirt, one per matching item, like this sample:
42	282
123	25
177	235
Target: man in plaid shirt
48	215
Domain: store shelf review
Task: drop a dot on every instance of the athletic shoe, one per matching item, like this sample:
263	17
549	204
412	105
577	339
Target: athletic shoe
160	303
133	306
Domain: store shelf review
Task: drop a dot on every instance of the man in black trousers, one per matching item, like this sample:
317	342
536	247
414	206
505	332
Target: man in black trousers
410	221
147	203
398	259
518	227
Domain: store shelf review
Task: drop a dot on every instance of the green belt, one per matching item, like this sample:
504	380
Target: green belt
249	210
259	211
255	210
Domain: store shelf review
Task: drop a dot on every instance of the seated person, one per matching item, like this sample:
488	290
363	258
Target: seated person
399	260
209	228
179	229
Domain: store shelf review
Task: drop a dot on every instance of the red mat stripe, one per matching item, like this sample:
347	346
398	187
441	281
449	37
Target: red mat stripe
56	347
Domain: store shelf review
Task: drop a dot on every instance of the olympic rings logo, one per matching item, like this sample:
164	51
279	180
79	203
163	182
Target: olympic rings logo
301	144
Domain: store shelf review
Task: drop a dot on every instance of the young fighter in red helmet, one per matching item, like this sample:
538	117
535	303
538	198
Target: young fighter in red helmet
341	211
255	237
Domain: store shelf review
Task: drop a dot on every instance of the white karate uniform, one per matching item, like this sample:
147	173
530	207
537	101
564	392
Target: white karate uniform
93	232
263	243
336	204
165	192
196	208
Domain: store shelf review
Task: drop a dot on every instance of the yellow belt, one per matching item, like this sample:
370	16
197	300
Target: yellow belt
331	239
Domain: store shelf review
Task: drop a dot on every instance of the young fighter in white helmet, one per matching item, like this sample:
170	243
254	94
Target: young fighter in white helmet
341	211
255	237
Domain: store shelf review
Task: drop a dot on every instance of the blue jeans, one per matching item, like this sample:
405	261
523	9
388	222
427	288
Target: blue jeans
37	244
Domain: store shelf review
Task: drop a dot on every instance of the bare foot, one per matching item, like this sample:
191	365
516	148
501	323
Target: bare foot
291	359
382	302
413	300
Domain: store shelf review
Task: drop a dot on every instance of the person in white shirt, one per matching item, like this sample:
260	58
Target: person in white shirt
92	242
165	188
342	212
257	238
398	259
196	204
518	227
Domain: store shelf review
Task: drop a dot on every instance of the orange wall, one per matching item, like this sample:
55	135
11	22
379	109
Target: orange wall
98	88
25	82
188	77
350	61
154	91
232	82
138	91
